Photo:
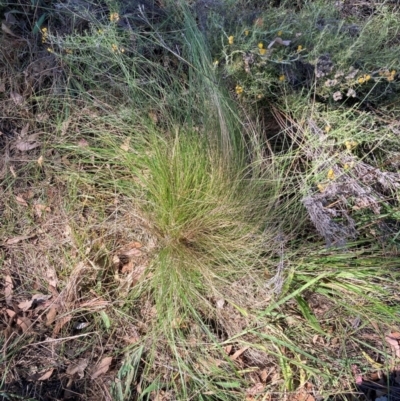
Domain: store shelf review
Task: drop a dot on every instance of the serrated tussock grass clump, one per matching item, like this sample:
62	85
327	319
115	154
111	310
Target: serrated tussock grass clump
208	213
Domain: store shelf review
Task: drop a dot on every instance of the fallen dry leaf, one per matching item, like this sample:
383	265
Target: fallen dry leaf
131	340
238	353
15	240
40	161
39	208
102	367
51	316
24	130
78	368
22	322
228	349
21	200
2	87
8	289
24	146
51	276
279	41
60	324
16	98
220	303
394	345
7	30
25	305
254	390
126	144
46	375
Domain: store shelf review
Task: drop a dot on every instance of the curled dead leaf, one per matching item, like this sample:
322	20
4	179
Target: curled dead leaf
51	316
25	130
46	375
25	305
77	368
102	367
238	353
21	200
16	97
24	146
279	41
60	324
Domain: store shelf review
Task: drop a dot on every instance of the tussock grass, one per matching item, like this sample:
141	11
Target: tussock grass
228	291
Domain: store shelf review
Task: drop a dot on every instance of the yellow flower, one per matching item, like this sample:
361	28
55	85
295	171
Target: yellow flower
230	40
279	33
100	31
50	50
331	174
216	62
260	96
299	48
350	145
321	187
114	17
260	45
367	77
361	80
262	51
45	34
346	166
246	32
281	78
327	128
390	75
239	89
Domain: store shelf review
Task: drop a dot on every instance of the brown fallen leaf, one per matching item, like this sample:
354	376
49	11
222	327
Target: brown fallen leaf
264	375
25	305
102	367
60	324
22	322
24	146
394	345
238	353
25	130
15	240
77	368
131	340
21	200
16	97
39	208
228	349
8	289
46	375
51	276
